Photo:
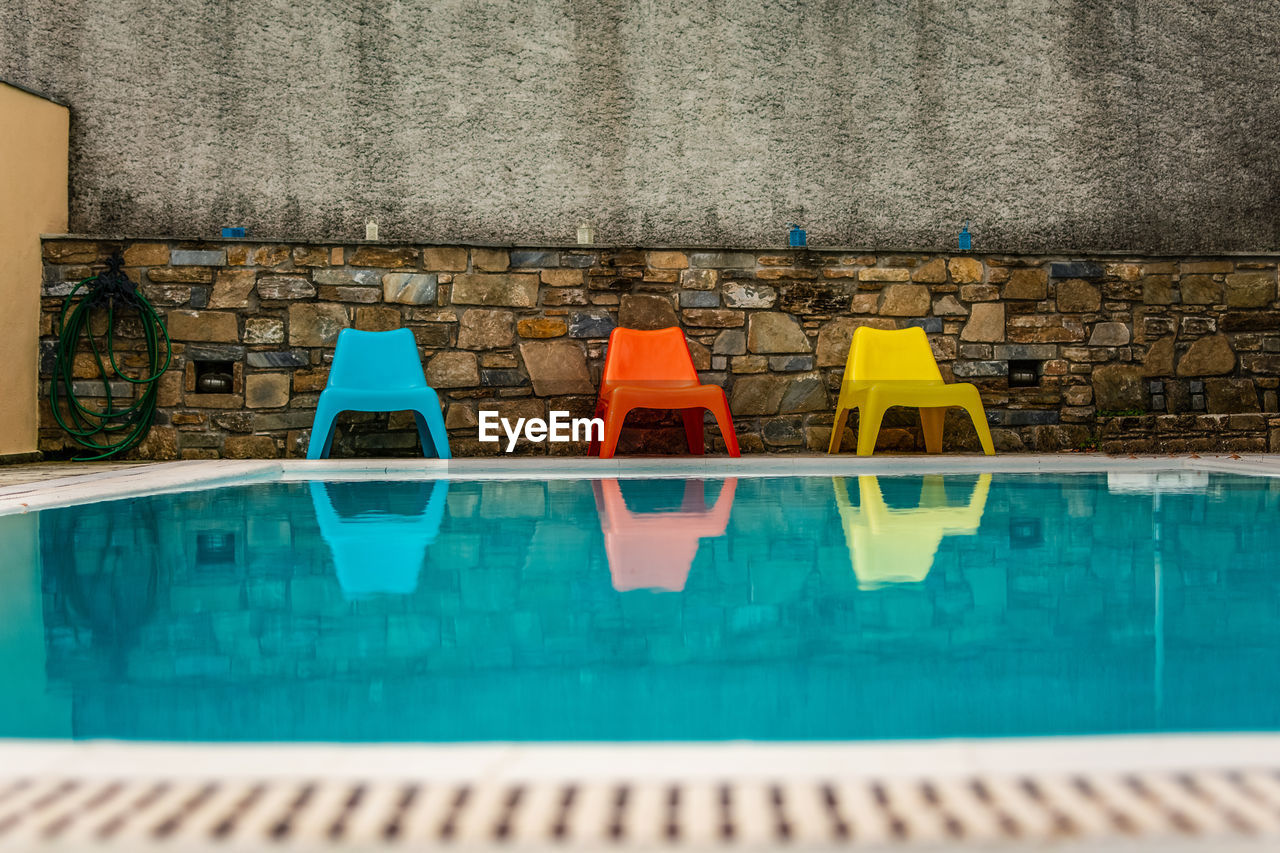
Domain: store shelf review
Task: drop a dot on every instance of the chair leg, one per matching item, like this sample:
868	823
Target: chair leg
979	417
693	429
720	409
837	430
322	429
432	434
932	419
869	417
613	420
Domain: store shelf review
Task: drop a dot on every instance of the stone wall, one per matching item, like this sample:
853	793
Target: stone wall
1121	354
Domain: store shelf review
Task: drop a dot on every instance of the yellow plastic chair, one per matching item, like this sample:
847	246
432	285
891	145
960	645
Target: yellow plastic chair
899	545
896	368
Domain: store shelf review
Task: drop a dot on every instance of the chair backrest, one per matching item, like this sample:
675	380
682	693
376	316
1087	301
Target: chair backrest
886	354
376	360
640	356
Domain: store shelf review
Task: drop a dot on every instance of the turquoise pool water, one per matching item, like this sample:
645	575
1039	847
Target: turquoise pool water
771	609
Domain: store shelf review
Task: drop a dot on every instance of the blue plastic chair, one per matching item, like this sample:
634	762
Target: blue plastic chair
378	372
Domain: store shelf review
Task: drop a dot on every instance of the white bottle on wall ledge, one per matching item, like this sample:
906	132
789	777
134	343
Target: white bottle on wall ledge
371	230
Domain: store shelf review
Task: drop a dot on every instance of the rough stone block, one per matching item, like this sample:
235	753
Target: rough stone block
316	324
286	358
490	260
933	272
719	318
542	327
723	260
263	330
730	342
386	257
668	260
977	369
931	325
1119	387
146	255
986	323
805	393
700	299
646	311
1109	335
965	270
699	279
266	390
556	367
949	306
517	290
791	363
1200	290
1157	290
444	259
769	332
1045	328
215	326
481	328
197	258
558	298
250	447
1078	296
377	318
884	274
739	294
453	369
284	287
1076	269
905	300
534	258
231	288
177	275
1027	284
412	288
1251	289
759	394
591	324
1032	352
1227	396
1209	356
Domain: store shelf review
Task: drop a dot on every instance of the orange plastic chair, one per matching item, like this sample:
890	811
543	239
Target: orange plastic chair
654	370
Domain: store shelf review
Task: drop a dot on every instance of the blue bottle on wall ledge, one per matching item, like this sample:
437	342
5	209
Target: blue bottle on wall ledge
796	236
966	239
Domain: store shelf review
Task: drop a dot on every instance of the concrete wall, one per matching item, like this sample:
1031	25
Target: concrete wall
1055	126
33	200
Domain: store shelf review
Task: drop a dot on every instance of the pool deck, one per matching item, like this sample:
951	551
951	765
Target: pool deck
1116	793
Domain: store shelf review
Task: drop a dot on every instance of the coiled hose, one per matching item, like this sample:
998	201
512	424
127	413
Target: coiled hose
111	429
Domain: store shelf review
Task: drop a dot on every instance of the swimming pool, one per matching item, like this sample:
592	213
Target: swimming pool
763	608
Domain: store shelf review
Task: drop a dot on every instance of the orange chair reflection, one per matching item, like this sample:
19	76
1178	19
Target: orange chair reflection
654	370
655	550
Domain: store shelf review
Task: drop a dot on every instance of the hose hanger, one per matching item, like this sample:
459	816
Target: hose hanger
121	423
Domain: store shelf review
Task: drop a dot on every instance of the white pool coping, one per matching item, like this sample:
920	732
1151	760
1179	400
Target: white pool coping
503	763
169	477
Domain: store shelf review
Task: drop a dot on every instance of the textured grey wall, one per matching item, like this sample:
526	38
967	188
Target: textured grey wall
1142	125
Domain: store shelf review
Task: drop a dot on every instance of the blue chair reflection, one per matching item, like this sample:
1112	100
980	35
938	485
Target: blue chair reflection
379	533
655	550
378	372
891	546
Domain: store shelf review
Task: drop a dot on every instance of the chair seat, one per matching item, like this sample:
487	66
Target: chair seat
909	392
661	395
380	399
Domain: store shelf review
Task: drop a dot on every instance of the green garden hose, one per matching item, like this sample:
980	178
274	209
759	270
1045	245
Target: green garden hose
111	429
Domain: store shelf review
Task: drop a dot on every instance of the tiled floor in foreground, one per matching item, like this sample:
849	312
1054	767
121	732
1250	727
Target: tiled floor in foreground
1212	810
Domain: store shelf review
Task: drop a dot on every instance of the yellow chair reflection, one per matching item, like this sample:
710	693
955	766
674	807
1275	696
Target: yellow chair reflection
655	550
898	545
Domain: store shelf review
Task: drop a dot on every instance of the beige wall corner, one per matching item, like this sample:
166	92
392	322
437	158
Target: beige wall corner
33	201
